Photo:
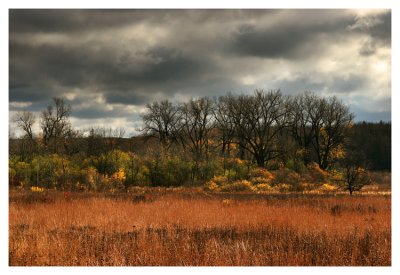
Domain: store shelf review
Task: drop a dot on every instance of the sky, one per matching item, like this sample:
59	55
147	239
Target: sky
108	64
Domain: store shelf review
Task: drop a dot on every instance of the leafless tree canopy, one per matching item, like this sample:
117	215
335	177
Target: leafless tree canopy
258	120
224	123
305	116
196	125
161	121
255	123
55	122
25	120
319	125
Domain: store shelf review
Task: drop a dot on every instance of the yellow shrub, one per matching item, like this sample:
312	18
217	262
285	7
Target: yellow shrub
227	201
306	186
283	187
237	186
37	189
264	187
219	180
260	180
119	175
247	184
261	173
211	186
328	187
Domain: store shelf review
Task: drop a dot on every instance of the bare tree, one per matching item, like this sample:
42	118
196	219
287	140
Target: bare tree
196	125
26	146
161	121
353	167
259	119
305	119
55	124
25	121
354	177
224	123
319	126
329	134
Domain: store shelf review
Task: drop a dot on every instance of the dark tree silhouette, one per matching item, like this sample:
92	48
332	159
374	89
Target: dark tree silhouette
258	120
161	121
196	125
319	126
55	124
25	120
354	166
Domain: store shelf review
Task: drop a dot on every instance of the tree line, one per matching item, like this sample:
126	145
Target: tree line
266	126
199	139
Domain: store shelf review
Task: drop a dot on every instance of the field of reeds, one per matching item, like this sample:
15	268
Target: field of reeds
195	228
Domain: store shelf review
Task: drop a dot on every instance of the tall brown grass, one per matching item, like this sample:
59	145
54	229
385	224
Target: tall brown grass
199	229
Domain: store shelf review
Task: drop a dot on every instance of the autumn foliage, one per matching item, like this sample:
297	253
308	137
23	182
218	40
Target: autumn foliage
256	179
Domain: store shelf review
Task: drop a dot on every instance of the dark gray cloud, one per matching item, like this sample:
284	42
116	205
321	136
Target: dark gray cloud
29	94
97	112
32	65
109	63
286	39
75	20
337	84
118	74
383	29
170	65
71	20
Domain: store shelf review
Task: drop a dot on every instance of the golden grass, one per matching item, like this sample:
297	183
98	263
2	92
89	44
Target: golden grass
181	228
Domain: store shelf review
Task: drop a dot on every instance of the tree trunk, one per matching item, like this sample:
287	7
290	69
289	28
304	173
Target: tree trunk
260	161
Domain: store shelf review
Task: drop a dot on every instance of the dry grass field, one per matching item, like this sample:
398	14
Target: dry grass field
193	228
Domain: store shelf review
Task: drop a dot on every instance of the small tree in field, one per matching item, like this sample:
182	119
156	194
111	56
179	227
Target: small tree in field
355	175
355	178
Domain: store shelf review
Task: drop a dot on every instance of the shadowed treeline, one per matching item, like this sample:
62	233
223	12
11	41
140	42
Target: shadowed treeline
193	142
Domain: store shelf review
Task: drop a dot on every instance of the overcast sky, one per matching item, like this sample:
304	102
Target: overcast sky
108	64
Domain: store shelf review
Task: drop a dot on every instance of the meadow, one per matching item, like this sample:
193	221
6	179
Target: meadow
190	227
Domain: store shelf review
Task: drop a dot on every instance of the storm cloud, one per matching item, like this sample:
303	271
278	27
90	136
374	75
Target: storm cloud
109	63
290	37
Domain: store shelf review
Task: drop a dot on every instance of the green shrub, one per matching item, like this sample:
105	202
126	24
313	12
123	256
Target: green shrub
23	173
235	168
296	165
169	171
